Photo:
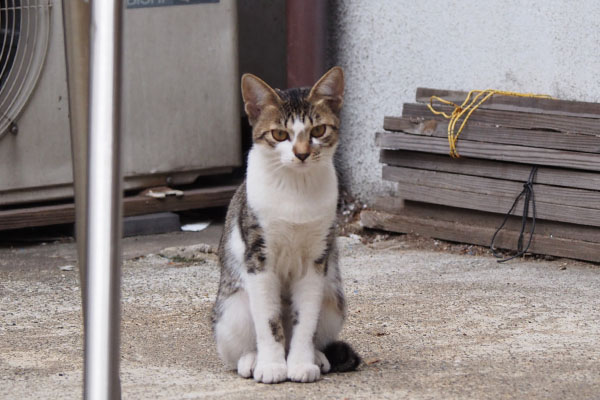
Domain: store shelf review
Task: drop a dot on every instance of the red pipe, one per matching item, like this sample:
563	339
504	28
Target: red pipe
306	40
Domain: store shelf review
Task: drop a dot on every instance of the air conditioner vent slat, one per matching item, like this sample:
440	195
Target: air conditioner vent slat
24	32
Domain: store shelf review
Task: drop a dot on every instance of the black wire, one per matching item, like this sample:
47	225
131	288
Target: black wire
529	196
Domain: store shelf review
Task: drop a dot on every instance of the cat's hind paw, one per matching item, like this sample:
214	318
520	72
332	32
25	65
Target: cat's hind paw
303	372
270	372
246	364
322	361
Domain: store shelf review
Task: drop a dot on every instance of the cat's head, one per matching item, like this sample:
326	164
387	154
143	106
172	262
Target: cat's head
296	128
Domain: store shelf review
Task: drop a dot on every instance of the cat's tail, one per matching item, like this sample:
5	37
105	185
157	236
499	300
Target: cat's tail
341	356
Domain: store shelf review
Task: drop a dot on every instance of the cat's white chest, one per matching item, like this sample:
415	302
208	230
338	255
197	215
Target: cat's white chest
295	211
297	198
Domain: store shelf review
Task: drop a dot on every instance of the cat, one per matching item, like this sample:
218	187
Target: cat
280	304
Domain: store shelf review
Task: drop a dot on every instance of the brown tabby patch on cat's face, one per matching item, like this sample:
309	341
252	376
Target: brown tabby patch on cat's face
300	125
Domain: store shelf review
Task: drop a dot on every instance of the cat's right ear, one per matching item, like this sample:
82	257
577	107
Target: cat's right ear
257	96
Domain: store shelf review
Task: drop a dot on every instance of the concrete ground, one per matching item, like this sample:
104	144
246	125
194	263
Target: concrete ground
431	320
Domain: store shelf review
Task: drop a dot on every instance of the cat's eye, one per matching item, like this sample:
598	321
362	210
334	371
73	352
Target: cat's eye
279	135
318	131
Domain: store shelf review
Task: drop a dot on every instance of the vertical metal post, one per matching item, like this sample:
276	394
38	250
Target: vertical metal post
104	211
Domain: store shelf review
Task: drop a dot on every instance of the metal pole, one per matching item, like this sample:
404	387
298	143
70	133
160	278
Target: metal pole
104	213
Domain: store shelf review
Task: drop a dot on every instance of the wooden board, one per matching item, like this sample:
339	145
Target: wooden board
136	205
491	202
492	151
520	104
497	187
491	169
548	228
513	119
478	234
494	134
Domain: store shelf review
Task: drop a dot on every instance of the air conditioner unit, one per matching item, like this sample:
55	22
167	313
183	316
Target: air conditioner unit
180	87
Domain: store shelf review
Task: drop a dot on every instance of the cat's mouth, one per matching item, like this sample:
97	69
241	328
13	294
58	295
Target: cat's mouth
299	166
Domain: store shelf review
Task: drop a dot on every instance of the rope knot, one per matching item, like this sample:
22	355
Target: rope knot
466	109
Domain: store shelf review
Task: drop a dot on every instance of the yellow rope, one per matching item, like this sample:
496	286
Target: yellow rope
467	107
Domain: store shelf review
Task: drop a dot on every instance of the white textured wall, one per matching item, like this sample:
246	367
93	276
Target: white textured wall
390	47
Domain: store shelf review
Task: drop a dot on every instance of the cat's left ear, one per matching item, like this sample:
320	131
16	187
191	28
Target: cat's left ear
330	88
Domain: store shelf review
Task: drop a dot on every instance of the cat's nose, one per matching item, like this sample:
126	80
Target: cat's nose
302	156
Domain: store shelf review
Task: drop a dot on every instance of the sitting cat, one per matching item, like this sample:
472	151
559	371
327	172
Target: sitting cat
280	304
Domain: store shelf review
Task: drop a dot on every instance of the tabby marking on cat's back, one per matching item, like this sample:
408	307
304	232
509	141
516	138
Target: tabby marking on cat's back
280	304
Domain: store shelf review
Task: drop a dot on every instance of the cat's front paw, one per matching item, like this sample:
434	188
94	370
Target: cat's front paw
270	372
303	372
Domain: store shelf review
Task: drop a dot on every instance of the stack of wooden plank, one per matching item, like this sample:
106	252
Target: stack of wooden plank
464	199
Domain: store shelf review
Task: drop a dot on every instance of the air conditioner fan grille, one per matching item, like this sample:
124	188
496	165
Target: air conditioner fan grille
24	32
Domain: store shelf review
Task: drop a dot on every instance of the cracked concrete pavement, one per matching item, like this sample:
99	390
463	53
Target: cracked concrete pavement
429	322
